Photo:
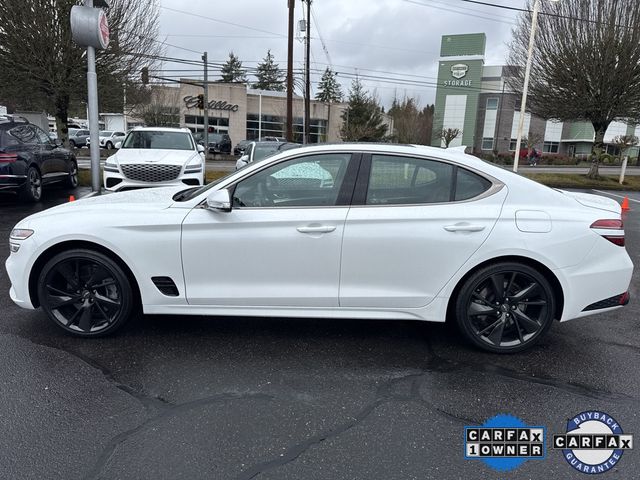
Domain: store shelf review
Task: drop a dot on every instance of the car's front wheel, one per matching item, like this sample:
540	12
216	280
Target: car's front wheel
85	293
109	146
505	307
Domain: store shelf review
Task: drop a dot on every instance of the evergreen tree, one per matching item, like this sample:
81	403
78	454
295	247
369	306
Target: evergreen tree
329	89
269	75
411	124
362	121
232	71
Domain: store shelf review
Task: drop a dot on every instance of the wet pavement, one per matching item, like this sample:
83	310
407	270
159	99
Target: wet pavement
240	398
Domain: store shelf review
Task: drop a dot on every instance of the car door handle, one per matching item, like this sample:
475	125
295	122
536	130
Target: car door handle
317	229
464	227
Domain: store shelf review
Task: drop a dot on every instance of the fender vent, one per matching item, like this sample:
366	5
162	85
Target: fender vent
166	286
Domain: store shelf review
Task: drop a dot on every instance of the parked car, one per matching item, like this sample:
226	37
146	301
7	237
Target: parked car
219	143
258	150
108	139
78	137
240	147
155	157
29	160
400	232
273	139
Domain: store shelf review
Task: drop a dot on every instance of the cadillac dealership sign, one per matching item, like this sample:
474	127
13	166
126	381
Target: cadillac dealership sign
458	71
192	102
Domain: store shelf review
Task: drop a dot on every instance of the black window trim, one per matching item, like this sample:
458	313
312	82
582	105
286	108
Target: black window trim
362	183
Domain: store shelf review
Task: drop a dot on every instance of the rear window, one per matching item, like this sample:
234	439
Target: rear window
469	185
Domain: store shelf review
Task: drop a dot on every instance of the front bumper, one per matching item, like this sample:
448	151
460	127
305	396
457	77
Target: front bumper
18	268
117	181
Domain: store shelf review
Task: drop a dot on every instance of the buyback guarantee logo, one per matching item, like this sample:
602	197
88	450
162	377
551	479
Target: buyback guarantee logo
594	442
504	442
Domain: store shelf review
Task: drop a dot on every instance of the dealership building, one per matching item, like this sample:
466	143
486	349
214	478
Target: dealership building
474	98
245	113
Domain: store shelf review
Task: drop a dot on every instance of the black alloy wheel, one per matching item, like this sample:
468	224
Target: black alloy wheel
72	181
109	146
31	191
85	293
72	144
505	308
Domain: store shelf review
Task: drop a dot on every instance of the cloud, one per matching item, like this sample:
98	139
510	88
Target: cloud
397	41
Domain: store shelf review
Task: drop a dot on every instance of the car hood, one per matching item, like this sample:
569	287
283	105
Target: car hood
129	156
148	200
594	201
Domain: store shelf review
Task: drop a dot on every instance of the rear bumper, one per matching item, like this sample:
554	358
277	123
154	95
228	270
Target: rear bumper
595	285
12	182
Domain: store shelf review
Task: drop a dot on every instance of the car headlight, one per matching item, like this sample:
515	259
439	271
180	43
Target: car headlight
194	165
111	165
20	233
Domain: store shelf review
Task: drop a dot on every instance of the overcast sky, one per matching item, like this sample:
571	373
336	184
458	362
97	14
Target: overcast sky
398	40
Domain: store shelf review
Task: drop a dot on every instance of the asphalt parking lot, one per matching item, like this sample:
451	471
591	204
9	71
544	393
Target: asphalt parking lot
241	398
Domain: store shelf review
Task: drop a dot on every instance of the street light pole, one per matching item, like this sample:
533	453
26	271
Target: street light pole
525	87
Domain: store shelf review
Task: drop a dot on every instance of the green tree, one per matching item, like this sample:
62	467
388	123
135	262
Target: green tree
232	71
269	76
585	63
411	125
363	120
329	89
42	69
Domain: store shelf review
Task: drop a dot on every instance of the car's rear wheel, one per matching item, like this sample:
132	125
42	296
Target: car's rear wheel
85	293
31	191
72	144
72	181
505	307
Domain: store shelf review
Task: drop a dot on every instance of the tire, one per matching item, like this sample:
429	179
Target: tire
109	146
72	144
85	293
72	180
505	307
31	191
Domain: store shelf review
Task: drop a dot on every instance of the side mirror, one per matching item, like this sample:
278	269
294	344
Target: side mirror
219	200
200	148
118	145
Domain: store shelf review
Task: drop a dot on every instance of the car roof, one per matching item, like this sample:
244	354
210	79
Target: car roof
161	129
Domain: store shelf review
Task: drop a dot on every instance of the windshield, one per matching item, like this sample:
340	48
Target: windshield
105	133
158	140
263	151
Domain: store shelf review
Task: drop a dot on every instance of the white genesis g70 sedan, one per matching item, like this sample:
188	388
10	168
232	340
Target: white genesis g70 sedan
349	230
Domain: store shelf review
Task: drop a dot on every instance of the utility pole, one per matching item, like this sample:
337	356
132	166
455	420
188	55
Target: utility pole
307	96
290	74
206	105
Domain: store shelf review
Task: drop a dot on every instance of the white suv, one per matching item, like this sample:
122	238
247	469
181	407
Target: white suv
155	157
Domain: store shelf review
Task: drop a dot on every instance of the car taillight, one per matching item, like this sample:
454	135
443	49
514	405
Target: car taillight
8	157
611	224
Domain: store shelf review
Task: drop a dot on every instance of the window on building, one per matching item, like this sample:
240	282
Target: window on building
512	144
551	147
492	103
487	143
274	126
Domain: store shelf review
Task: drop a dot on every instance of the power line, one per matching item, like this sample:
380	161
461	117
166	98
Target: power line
224	22
324	47
471	13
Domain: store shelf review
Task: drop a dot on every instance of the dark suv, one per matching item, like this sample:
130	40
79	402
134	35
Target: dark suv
219	143
29	159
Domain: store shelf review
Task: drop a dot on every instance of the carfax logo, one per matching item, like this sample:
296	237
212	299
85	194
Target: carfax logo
594	442
504	442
